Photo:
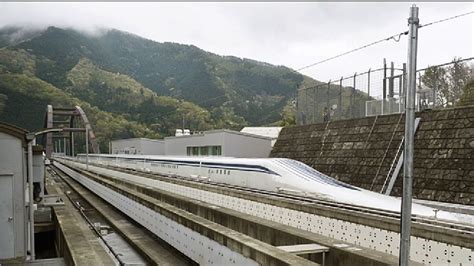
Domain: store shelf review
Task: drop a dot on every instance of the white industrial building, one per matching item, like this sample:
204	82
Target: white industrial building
220	142
141	146
270	132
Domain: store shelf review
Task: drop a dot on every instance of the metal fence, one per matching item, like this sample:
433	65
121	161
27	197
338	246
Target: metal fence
379	92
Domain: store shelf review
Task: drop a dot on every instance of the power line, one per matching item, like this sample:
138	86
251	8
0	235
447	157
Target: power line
446	19
395	37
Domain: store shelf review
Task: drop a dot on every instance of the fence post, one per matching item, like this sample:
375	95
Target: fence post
418	93
368	84
404	86
327	95
384	83
352	96
297	100
390	83
313	116
435	87
306	109
340	98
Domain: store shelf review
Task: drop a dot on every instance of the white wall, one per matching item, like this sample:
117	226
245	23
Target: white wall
12	197
233	144
246	146
153	147
178	145
138	146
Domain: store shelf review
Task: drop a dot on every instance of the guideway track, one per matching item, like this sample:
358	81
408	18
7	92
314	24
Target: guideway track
335	206
156	215
379	232
155	251
269	232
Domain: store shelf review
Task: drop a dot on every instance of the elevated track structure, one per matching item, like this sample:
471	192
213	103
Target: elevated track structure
215	223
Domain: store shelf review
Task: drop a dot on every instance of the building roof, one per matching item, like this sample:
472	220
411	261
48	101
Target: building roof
216	131
12	130
134	139
270	132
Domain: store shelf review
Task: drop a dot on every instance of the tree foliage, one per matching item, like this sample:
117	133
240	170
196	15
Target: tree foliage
28	97
449	83
289	114
468	94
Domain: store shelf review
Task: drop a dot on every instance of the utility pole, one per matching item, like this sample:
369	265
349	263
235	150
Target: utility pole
340	98
31	137
413	23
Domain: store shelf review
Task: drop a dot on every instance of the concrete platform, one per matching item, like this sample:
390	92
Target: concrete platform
75	240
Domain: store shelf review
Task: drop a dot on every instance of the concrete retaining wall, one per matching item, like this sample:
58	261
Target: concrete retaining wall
361	152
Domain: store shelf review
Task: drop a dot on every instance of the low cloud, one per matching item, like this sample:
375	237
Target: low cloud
291	34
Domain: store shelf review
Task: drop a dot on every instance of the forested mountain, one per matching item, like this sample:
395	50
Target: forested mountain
186	72
152	86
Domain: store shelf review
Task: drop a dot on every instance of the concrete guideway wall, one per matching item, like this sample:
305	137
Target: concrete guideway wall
382	237
361	151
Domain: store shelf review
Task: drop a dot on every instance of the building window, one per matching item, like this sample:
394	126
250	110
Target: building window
204	151
216	150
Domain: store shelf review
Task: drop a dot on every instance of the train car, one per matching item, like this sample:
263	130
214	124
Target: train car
272	174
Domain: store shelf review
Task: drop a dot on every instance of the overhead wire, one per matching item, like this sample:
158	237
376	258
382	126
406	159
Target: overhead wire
395	37
445	19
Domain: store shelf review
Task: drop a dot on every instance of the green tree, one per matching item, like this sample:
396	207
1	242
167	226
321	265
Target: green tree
436	78
288	115
467	97
459	75
449	82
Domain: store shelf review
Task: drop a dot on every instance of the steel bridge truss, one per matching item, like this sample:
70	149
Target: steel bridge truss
68	120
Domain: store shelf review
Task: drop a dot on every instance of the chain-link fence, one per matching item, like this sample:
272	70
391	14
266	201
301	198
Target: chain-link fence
381	91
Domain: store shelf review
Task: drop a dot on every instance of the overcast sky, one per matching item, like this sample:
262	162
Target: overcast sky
290	34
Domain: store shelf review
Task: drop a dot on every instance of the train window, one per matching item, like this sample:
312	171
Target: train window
228	172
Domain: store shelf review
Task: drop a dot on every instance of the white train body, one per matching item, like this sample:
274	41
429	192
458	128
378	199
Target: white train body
273	174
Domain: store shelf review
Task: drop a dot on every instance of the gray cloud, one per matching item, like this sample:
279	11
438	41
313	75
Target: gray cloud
291	34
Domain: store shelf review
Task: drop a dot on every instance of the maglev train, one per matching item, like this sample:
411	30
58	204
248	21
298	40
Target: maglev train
270	174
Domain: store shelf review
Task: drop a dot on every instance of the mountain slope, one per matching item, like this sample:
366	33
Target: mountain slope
141	87
186	72
28	96
120	94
